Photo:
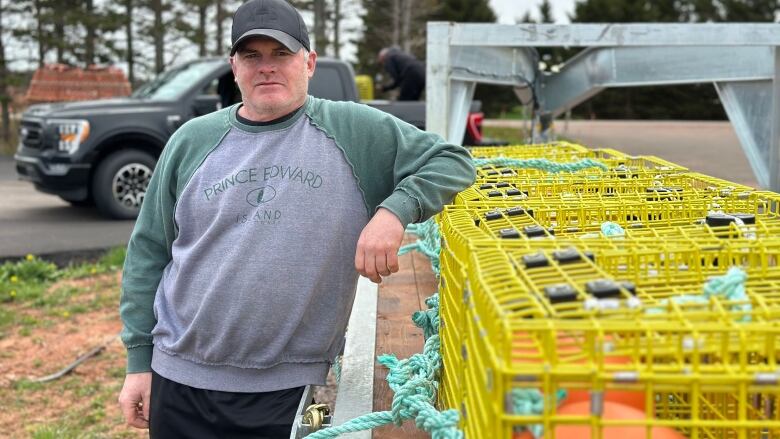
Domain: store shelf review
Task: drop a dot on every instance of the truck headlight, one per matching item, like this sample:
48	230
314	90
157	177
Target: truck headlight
70	134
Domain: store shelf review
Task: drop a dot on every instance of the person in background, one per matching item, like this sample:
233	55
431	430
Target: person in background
407	72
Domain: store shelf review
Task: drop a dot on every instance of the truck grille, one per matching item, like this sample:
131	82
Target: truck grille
31	134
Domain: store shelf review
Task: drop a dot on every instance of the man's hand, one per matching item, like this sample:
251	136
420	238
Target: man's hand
134	399
377	247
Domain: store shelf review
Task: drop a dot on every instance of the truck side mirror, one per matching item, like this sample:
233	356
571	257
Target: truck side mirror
205	104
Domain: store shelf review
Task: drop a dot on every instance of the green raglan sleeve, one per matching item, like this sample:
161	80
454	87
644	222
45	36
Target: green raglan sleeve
412	173
148	253
427	171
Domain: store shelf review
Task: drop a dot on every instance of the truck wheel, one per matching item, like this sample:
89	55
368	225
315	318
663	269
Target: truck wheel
120	183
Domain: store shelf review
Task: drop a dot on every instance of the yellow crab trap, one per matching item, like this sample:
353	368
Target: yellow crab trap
585	214
665	185
642	365
501	168
565	150
548	150
553	326
456	233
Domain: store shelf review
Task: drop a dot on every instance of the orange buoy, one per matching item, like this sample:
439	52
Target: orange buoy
630	398
612	411
567	345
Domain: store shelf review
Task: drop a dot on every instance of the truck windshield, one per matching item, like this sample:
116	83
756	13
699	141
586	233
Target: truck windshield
170	85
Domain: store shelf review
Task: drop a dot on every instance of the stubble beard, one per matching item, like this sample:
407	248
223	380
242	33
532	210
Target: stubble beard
279	109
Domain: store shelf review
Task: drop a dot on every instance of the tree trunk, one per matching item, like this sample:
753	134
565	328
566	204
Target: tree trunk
396	22
158	34
220	19
202	9
406	17
129	35
4	98
39	35
89	42
59	31
336	24
319	26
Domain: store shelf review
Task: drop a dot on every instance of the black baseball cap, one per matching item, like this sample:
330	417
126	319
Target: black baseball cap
272	18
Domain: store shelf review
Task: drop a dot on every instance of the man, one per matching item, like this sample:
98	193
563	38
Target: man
407	72
242	267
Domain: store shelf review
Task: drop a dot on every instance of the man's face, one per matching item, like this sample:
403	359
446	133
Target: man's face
273	81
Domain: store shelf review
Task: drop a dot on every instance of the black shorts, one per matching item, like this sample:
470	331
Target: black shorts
179	411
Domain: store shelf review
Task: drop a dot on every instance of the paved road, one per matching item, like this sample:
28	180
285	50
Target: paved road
711	148
31	222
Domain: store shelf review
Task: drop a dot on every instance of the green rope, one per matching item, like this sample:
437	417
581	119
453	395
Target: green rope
531	402
428	320
610	229
541	164
429	243
415	383
524	401
730	286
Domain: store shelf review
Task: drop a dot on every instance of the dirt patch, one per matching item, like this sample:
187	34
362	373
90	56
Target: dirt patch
81	404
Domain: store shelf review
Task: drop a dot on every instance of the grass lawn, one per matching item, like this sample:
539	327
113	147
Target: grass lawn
512	135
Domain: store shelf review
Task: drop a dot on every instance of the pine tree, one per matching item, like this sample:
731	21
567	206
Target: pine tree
191	22
4	95
697	101
377	33
464	11
545	12
381	29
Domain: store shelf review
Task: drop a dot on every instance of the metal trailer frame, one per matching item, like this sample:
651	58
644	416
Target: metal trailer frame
742	60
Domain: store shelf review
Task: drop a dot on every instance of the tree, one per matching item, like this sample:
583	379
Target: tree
97	22
220	18
163	32
223	12
379	30
697	101
464	11
545	12
158	7
129	54
377	33
336	27
80	32
736	10
37	19
89	41
320	17
195	31
4	95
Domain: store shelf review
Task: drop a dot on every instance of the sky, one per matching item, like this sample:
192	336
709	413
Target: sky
510	10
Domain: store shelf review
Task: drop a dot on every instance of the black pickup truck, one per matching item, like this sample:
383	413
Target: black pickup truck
103	152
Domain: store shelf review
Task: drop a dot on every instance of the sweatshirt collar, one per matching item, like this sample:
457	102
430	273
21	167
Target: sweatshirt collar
286	123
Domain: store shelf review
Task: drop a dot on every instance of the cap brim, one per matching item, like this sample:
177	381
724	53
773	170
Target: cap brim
287	41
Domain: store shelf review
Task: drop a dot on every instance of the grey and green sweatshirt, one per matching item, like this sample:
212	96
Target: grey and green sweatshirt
240	272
